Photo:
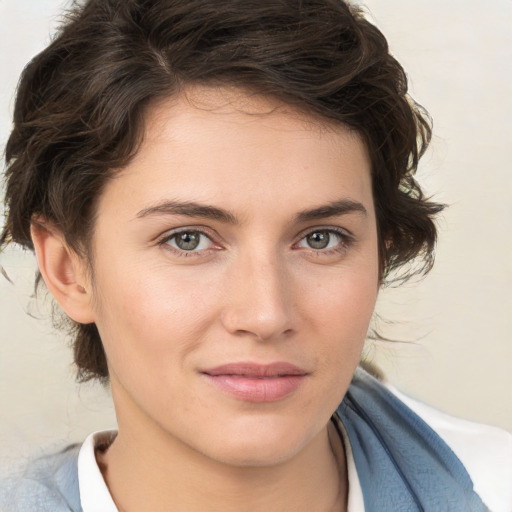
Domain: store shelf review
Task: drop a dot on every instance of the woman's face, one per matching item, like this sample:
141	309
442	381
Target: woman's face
235	274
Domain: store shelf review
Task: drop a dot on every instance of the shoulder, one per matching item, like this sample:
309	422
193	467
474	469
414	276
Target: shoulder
47	484
485	451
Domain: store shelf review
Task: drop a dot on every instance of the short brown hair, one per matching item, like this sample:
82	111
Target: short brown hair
81	102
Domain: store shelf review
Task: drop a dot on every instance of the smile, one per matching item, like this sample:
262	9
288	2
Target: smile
255	382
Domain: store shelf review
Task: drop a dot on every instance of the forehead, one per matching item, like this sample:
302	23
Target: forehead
224	145
209	114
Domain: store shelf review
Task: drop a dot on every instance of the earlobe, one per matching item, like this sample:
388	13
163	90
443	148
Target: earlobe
63	272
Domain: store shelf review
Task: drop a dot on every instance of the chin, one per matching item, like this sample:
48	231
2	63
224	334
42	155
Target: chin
254	456
259	446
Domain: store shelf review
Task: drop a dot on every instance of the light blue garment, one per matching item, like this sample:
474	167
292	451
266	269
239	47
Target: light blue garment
50	484
403	465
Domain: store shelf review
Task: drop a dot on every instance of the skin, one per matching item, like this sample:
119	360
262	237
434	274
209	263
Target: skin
253	290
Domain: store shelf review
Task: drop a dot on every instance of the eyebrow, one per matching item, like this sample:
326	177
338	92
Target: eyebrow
193	209
189	209
333	209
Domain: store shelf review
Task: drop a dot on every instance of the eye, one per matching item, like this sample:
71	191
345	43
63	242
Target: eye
321	239
189	241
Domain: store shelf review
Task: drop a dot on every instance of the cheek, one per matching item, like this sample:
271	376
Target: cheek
340	309
345	299
149	312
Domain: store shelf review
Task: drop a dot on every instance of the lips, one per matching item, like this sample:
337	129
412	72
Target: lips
256	382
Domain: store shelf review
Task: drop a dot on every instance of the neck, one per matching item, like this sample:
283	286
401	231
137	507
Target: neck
149	470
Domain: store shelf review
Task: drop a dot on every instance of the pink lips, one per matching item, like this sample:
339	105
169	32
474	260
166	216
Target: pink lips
256	382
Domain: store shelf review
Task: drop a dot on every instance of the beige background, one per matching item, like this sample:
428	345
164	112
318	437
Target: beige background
458	321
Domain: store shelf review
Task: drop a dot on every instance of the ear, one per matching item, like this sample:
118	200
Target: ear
63	271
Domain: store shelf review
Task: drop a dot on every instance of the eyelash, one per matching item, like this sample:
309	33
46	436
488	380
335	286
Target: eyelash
346	240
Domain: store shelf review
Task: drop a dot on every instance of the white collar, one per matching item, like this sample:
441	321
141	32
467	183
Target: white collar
355	492
94	493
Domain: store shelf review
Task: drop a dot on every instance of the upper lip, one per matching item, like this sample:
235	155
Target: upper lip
256	370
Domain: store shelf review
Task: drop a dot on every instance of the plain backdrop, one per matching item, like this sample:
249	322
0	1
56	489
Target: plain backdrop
455	325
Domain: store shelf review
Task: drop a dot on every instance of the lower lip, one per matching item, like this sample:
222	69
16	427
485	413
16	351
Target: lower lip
257	389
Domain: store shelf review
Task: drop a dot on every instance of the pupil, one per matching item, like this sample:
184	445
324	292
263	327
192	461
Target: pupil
318	239
187	241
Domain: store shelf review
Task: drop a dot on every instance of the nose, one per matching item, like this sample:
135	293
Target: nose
259	300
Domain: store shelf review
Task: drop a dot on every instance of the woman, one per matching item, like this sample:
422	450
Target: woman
215	192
